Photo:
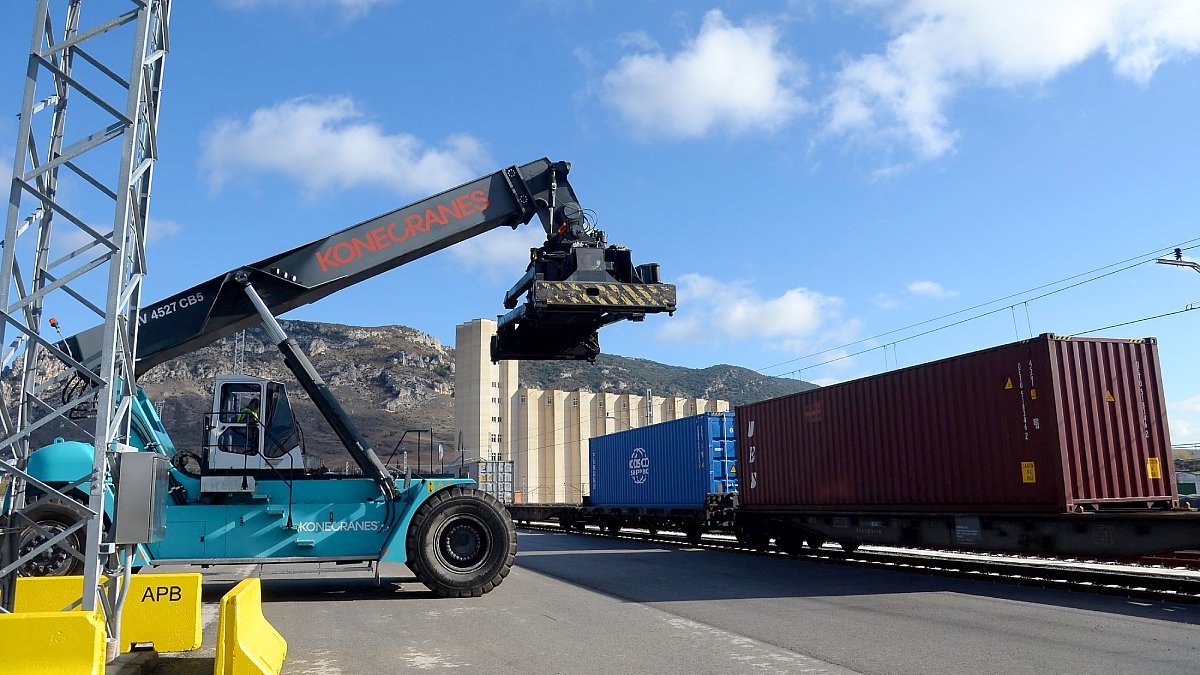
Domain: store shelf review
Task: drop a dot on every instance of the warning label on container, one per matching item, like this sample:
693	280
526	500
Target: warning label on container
1153	468
1028	472
1009	384
1109	397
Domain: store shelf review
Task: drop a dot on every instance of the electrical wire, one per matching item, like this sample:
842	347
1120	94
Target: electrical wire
1141	260
1189	308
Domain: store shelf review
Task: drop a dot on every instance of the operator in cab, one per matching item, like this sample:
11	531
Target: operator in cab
248	415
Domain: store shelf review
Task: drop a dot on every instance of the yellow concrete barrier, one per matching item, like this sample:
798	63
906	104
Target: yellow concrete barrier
161	609
246	643
51	642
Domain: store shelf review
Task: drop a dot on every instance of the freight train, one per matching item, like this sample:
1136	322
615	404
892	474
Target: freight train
1052	445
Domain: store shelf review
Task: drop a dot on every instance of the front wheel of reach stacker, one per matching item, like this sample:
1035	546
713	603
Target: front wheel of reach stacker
461	543
53	518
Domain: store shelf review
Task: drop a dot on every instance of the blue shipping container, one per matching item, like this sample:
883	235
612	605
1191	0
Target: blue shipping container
669	465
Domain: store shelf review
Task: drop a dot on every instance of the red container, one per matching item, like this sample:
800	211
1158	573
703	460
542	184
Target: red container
1049	424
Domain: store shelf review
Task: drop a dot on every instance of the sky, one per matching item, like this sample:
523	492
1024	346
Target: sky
837	189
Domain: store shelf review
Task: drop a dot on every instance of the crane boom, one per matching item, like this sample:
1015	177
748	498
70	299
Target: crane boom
218	307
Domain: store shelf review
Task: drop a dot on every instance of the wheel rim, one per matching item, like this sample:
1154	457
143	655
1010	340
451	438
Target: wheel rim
54	561
463	544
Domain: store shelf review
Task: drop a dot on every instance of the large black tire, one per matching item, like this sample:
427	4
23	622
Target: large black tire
54	562
461	543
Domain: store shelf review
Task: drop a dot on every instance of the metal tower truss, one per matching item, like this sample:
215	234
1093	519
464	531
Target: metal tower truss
74	249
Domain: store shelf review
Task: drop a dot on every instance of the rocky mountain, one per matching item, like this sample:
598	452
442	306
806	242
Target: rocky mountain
393	378
621	374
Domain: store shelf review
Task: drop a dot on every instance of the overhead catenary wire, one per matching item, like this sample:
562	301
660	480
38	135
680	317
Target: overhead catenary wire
1140	260
1189	308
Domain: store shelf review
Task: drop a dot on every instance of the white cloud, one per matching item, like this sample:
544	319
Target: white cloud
939	47
638	39
350	9
731	78
160	228
1184	419
930	289
327	143
717	312
886	301
67	238
502	253
825	381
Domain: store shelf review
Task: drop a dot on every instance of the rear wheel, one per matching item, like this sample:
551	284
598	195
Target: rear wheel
461	543
54	517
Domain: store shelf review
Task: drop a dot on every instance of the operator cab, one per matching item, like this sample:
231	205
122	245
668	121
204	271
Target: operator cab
251	427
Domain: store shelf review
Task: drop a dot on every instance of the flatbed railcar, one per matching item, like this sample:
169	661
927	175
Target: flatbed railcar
718	513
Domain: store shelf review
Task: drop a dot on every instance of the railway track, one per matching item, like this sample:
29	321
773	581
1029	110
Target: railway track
1096	577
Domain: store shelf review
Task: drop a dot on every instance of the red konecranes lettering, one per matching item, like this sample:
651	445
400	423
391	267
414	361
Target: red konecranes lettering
346	252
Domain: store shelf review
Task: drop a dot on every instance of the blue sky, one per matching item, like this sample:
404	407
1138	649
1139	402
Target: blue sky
811	174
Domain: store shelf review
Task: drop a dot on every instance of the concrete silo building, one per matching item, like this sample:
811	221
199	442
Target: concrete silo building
544	432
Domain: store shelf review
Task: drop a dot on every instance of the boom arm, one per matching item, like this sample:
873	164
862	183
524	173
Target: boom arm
218	307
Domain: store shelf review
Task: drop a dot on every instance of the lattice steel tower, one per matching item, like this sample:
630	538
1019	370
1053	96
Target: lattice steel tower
74	248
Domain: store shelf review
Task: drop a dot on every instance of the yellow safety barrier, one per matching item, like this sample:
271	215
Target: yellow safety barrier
45	643
161	609
246	643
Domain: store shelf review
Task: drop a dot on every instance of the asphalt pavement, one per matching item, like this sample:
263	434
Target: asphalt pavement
581	604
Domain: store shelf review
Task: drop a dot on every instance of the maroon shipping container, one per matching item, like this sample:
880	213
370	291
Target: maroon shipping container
1050	424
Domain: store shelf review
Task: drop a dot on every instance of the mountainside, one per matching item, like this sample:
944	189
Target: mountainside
393	378
622	374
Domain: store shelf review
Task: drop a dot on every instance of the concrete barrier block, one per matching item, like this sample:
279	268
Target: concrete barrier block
247	644
160	609
37	643
163	609
47	594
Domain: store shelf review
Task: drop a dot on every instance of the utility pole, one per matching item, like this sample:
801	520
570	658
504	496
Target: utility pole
112	100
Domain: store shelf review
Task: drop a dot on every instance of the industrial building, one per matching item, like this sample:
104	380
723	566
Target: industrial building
544	432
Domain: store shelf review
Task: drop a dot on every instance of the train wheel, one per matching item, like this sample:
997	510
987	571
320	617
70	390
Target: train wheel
653	531
694	533
753	537
612	527
790	542
848	545
56	561
461	543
